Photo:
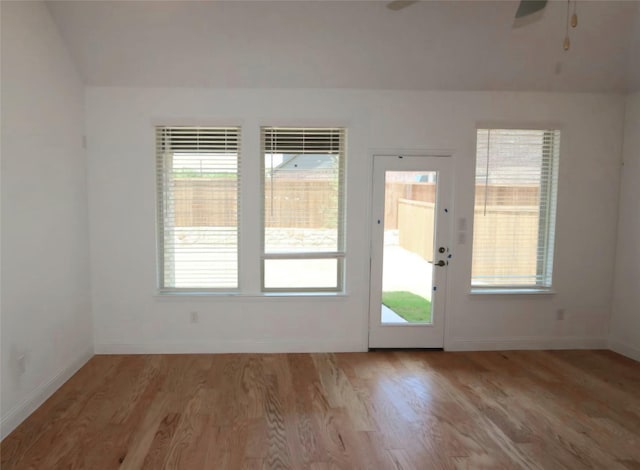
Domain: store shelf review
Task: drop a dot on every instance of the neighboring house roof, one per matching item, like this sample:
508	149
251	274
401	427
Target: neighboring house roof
307	166
307	161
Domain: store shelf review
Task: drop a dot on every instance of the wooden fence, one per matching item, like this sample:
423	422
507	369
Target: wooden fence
301	204
394	192
199	203
415	227
288	203
508	254
492	195
409	208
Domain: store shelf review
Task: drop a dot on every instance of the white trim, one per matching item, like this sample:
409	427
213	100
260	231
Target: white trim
234	346
520	125
258	297
417	152
38	396
205	121
625	349
412	152
384	335
305	255
525	342
511	291
305	123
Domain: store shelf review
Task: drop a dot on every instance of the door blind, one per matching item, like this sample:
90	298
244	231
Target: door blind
198	179
515	207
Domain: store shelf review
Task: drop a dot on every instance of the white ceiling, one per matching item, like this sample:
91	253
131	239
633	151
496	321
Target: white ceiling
447	45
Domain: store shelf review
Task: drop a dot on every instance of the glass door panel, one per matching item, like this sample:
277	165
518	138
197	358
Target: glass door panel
409	228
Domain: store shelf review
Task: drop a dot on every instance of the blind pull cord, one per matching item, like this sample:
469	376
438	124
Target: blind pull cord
486	176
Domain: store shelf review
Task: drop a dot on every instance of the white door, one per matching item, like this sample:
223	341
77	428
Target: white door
411	215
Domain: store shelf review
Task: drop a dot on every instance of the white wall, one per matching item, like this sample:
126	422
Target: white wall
625	320
45	257
130	318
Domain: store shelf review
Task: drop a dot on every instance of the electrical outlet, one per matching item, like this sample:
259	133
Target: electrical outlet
560	314
194	317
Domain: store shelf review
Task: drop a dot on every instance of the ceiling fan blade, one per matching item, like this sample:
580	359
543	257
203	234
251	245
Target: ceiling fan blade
529	7
396	5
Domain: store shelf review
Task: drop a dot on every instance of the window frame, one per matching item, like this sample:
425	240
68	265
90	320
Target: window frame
339	255
546	232
162	178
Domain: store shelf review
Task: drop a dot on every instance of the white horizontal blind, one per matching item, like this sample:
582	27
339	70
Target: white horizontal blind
515	207
198	181
303	208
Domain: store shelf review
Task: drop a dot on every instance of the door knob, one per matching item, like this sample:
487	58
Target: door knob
439	263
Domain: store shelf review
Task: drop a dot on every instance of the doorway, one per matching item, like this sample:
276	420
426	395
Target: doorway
410	252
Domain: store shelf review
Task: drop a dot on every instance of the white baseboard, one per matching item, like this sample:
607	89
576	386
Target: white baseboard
37	397
342	345
524	342
624	349
213	347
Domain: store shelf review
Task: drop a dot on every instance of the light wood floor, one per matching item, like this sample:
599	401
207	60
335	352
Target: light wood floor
383	410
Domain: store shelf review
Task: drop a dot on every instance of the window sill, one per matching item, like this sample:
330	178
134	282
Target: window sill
238	297
511	291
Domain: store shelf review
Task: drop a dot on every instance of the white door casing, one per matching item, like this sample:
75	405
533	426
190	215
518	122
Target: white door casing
397	265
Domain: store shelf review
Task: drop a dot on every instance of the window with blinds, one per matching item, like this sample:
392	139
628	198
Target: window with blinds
515	208
198	183
303	209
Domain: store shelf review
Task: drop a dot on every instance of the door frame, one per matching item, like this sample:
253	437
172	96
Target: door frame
447	298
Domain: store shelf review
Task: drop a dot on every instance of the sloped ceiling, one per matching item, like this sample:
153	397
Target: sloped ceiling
447	45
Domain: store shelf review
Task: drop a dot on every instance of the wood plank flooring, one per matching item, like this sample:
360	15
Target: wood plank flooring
382	410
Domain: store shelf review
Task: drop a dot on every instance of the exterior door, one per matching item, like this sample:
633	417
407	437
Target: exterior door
410	253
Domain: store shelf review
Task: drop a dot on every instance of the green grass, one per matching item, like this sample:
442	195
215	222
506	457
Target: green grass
409	306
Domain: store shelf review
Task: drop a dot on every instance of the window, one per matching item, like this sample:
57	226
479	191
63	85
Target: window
198	183
303	209
515	208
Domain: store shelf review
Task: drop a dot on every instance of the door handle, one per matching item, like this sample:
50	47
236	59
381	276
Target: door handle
440	263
